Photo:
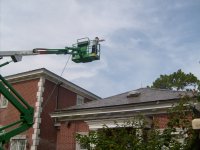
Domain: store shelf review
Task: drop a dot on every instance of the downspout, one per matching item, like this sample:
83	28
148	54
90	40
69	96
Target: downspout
58	93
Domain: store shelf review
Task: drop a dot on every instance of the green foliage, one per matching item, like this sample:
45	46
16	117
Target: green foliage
176	81
134	134
123	137
180	116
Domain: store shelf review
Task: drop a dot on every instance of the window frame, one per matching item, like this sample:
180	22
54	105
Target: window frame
79	100
17	139
78	146
3	102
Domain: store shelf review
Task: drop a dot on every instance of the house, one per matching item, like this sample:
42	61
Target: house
153	103
46	92
63	109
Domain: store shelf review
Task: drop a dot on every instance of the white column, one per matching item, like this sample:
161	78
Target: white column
37	114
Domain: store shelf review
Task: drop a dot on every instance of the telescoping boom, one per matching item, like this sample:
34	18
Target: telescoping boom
85	50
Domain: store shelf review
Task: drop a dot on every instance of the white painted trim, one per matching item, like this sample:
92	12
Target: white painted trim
35	136
107	111
33	147
3	100
79	99
37	131
37	114
78	147
34	74
35	142
18	137
36	126
110	123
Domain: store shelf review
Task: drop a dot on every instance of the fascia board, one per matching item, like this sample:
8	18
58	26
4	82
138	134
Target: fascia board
34	74
111	111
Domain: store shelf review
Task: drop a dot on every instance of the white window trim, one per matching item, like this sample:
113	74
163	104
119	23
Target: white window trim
2	98
110	123
78	147
178	131
18	137
79	100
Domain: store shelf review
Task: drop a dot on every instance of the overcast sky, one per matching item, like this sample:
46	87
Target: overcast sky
144	38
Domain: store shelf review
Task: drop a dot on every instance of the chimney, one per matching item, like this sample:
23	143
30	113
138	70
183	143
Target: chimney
133	94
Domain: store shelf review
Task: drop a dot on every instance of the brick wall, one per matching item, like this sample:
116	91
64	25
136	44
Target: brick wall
28	90
61	98
66	134
67	131
47	133
161	120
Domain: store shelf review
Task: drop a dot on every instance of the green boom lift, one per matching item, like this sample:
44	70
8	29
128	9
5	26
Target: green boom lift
82	52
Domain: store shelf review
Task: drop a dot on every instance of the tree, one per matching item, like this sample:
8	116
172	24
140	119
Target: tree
133	134
177	81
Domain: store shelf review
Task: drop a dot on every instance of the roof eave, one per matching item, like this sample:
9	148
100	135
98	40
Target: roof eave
104	112
34	74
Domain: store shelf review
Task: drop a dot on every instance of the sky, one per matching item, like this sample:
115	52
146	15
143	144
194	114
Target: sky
143	39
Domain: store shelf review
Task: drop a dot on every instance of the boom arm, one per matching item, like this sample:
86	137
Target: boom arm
81	52
26	117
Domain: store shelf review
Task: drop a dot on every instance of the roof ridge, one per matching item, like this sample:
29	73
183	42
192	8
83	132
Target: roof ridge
54	76
159	89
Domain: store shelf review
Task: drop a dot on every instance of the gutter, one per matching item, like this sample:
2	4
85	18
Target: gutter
115	110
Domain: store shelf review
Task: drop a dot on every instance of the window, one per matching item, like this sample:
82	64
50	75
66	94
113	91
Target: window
82	147
78	145
18	143
179	134
79	100
3	102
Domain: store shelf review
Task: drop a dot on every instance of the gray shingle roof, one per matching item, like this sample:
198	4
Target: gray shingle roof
141	95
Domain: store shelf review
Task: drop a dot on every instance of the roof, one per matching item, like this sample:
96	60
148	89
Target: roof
142	95
42	72
144	100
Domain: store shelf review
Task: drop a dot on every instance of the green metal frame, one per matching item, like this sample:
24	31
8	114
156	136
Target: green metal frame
26	112
80	54
81	51
84	53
